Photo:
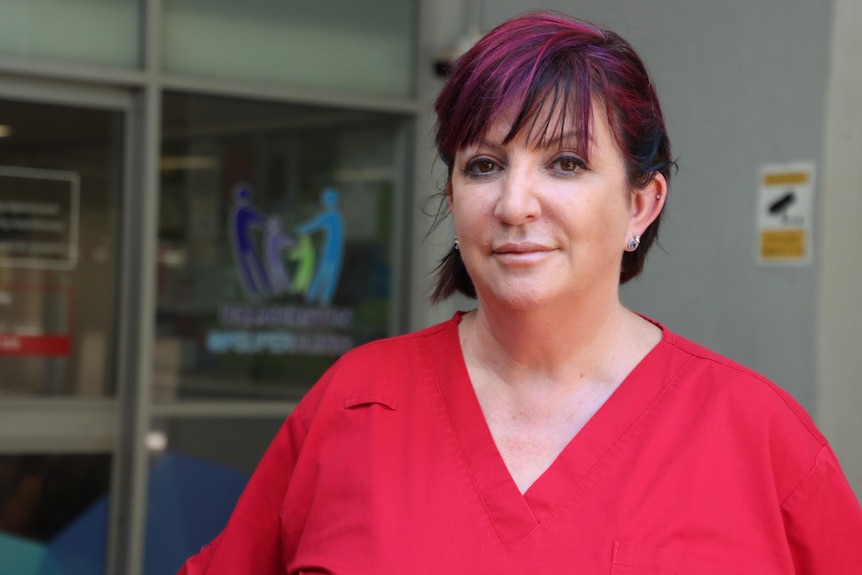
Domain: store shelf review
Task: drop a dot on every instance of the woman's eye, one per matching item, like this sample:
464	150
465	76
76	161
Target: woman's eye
481	166
570	164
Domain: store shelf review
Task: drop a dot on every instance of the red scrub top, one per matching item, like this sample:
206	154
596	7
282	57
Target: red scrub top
694	466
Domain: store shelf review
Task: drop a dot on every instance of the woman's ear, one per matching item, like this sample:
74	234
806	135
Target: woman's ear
449	193
647	204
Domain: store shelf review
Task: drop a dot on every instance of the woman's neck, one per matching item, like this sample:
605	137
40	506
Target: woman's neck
587	343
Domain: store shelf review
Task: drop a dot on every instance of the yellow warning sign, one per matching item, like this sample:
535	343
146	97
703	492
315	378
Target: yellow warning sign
785	205
790	244
786	178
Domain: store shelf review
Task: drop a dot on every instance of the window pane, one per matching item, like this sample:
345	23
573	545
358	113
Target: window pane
60	184
205	463
54	513
362	47
275	243
92	31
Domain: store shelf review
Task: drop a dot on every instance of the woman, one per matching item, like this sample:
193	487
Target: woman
550	430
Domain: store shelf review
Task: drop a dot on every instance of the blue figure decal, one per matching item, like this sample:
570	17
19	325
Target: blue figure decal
329	222
243	218
275	242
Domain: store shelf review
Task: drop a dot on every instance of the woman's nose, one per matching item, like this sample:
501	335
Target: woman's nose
518	201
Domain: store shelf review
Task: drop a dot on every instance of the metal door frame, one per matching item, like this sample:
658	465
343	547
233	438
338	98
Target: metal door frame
54	425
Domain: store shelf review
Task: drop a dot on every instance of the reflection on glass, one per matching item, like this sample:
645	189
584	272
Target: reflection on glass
275	243
54	514
357	47
204	463
60	184
83	30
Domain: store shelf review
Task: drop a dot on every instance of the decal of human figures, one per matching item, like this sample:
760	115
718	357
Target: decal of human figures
273	262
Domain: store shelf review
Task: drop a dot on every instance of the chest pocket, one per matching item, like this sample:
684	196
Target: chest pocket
635	559
367	399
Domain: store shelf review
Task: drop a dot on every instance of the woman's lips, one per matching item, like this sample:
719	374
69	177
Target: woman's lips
521	252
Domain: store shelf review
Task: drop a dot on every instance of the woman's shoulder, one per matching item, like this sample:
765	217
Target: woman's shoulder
744	392
746	416
383	369
391	349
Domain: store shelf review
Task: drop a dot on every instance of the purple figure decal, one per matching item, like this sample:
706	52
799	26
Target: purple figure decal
243	218
277	241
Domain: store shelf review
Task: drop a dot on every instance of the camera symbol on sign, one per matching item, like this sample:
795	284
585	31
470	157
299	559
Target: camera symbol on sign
781	206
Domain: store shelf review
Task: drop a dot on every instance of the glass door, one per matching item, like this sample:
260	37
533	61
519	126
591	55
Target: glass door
63	178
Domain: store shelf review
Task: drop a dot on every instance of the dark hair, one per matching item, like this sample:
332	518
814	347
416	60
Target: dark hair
547	57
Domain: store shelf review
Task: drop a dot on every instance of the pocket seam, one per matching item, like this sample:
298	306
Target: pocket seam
662	560
364	399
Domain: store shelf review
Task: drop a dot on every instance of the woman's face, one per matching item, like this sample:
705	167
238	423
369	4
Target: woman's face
538	225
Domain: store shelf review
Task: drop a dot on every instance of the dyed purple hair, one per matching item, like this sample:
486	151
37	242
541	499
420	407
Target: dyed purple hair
547	58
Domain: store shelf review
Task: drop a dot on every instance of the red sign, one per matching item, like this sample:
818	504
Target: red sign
36	321
43	345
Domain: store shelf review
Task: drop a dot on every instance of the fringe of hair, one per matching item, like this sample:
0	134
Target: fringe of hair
451	278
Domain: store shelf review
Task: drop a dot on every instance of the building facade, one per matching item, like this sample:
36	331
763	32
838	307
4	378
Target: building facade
204	202
202	205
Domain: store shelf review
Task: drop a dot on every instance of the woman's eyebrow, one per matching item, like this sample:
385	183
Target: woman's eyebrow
567	139
485	144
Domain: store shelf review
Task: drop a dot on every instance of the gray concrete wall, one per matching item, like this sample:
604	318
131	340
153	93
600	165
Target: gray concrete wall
839	376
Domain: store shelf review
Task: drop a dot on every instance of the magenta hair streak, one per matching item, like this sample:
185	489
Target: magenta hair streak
546	57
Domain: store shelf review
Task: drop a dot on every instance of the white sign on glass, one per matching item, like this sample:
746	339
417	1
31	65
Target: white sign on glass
39	211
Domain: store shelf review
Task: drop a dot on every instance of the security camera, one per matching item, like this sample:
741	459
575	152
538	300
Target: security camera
447	58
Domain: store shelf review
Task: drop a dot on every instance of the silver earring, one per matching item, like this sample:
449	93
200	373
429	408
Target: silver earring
455	244
634	243
658	196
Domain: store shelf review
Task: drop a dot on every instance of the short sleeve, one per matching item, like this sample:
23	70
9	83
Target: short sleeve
823	520
251	543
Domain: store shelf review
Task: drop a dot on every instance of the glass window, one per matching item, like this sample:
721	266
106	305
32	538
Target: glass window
276	239
60	184
205	463
93	31
54	513
356	47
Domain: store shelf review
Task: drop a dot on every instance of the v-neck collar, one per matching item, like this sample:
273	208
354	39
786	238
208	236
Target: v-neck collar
516	515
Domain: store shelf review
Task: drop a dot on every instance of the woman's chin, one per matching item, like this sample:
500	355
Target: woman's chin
518	298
